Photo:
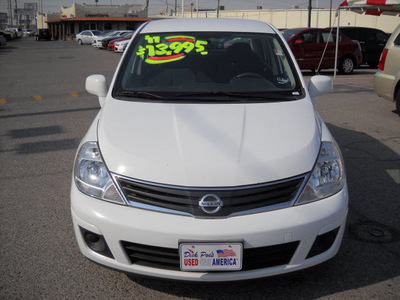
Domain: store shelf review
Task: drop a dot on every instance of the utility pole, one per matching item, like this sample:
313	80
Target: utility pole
175	7
15	14
218	10
309	13
10	15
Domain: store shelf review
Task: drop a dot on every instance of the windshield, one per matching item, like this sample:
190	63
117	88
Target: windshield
288	33
175	66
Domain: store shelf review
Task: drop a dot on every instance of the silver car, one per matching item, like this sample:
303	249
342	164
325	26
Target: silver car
387	79
87	36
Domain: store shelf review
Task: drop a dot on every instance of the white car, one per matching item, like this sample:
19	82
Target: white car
87	36
98	42
120	46
207	160
17	33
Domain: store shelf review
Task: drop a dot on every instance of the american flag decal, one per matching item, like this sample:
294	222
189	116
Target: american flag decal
225	253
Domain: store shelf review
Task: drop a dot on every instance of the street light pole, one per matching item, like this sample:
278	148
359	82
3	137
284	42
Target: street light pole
309	13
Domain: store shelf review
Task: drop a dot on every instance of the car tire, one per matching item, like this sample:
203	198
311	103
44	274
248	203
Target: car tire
80	42
346	65
397	100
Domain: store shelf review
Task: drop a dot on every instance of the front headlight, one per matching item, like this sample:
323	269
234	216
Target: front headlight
328	176
91	175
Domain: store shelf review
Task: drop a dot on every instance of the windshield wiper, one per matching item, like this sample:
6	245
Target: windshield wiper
137	94
239	96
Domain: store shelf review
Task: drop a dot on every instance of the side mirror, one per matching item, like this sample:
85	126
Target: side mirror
97	85
299	42
319	85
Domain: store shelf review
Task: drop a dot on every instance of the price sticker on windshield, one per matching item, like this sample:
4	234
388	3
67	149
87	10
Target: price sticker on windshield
173	48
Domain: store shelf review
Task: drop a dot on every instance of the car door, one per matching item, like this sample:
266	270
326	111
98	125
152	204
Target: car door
305	49
86	37
327	48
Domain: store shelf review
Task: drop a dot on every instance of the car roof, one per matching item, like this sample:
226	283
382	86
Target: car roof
207	24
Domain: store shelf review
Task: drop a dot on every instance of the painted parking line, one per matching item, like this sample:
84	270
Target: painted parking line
395	174
3	101
38	97
74	94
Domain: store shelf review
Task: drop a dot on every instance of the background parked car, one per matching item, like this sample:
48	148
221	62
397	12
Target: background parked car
372	42
87	36
102	42
43	34
308	46
121	46
8	35
125	36
387	79
14	32
27	32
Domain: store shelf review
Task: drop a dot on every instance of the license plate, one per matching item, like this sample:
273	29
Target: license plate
211	256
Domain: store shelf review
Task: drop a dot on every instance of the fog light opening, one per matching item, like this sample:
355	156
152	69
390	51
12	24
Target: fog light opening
96	243
323	243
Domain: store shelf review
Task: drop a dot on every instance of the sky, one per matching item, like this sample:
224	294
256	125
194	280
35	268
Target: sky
156	5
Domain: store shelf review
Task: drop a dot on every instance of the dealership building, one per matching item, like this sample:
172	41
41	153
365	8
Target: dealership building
78	17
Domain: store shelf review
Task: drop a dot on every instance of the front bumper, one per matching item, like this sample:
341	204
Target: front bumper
97	44
302	224
119	49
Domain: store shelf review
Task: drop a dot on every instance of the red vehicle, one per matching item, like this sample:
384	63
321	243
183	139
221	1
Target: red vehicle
308	46
111	44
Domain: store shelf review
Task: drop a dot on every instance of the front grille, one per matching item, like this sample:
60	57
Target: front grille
235	199
168	258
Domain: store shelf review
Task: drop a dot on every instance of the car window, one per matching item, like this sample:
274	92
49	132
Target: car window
210	63
112	34
309	37
289	33
397	40
381	37
351	33
329	37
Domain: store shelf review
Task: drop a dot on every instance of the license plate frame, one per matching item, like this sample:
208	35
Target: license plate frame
210	256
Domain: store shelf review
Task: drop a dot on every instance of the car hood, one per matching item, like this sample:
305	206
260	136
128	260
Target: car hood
209	144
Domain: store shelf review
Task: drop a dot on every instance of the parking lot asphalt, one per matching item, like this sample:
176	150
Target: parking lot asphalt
45	111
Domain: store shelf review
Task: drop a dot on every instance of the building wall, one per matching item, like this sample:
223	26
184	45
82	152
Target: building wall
293	18
89	10
41	19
